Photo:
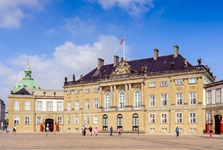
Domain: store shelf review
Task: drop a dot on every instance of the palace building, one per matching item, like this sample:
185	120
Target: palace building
149	95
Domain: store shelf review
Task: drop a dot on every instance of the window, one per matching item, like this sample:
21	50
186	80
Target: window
209	97
152	84
135	122
76	120
76	91
119	121
208	117
50	106
179	98
87	120
39	106
69	92
152	100
163	83
192	130
179	81
38	119
96	104
152	118
163	118
68	120
107	100
192	98
192	118
87	91
218	95
137	101
179	118
77	105
121	99
16	105
95	121
59	106
105	122
151	130
60	120
192	80
68	105
27	121
87	104
27	105
95	90
164	99
16	119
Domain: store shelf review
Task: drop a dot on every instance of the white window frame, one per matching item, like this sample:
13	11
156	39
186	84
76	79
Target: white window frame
38	119
69	92
121	99
26	120
152	118
137	99
16	105
107	100
164	99
59	106
69	105
76	119
95	120
209	97
49	105
60	120
77	105
87	119
179	117
95	103
192	80
193	98
16	120
218	95
179	81
68	120
164	119
179	99
95	90
87	104
39	105
27	105
76	91
163	83
152	84
87	91
152	101
192	117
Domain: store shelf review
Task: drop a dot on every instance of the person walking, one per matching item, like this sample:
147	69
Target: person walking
96	131
111	131
119	131
177	131
83	130
210	133
90	129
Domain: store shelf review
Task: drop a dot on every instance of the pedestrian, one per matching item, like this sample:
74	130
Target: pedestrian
210	133
83	130
14	129
96	131
111	131
90	129
177	131
119	131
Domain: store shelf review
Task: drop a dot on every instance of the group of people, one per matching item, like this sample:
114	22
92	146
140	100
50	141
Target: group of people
90	130
111	131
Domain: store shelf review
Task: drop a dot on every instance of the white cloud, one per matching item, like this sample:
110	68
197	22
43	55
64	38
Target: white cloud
68	59
76	26
133	7
12	11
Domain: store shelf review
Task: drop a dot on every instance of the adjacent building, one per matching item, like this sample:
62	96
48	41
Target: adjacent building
150	95
2	113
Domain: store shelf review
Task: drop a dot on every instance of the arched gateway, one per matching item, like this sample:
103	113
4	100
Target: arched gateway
49	123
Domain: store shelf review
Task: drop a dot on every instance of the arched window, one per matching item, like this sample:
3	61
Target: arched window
107	100
121	99
119	121
105	122
135	122
137	100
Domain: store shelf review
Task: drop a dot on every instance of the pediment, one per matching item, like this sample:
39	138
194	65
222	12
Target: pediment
122	68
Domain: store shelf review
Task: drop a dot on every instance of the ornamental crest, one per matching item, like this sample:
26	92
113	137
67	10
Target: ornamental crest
122	68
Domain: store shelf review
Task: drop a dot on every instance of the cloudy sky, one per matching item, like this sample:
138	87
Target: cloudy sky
65	37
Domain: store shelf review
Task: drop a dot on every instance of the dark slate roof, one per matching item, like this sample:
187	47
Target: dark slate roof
161	64
22	91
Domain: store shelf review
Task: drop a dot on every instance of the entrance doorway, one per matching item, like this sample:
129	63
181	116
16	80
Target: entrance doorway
218	119
49	123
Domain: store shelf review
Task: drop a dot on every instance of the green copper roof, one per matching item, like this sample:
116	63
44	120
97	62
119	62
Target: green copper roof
27	82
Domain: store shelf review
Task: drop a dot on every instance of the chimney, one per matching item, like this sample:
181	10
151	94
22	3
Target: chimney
156	54
176	50
116	60
100	63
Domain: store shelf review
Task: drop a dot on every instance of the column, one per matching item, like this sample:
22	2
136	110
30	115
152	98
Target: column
142	92
126	94
111	93
115	104
130	97
100	97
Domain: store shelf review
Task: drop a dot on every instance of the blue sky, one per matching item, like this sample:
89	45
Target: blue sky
65	37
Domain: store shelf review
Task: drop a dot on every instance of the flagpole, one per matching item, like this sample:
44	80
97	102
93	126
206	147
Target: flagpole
124	48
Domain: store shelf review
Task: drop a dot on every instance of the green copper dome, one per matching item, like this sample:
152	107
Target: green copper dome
27	82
